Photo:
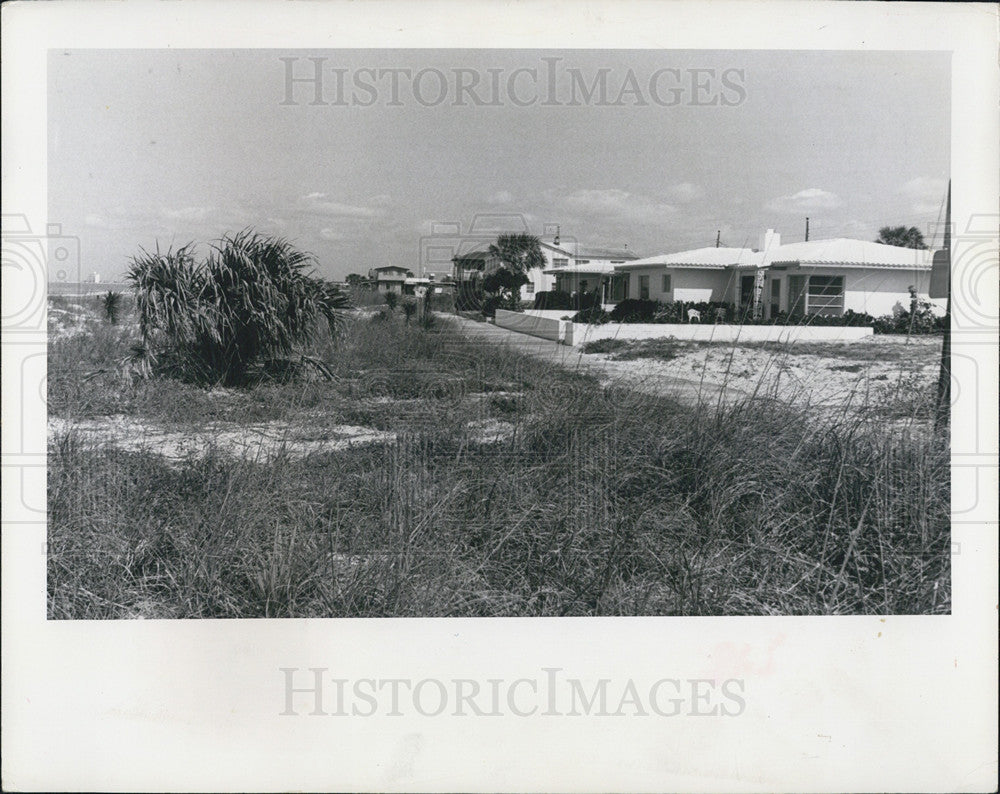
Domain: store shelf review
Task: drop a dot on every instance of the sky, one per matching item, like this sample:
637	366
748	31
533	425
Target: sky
372	157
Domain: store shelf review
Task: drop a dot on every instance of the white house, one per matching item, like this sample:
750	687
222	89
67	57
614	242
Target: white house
473	265
703	274
825	277
579	269
832	276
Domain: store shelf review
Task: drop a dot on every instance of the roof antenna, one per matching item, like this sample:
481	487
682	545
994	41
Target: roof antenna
718	237
807	228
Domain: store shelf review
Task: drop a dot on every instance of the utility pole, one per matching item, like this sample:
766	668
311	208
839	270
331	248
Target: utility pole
942	409
807	228
718	237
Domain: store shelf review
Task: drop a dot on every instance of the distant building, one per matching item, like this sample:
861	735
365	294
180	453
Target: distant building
389	278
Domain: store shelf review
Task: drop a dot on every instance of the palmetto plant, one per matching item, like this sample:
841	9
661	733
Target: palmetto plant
250	301
112	303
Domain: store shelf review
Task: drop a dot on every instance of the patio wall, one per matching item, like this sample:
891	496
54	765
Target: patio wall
580	334
544	327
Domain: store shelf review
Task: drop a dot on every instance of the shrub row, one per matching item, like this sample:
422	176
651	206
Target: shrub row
634	310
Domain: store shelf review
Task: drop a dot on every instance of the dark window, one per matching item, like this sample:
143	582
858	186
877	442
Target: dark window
644	287
826	295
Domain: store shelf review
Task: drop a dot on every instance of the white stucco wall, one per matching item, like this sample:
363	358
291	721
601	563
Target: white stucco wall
522	322
692	285
578	334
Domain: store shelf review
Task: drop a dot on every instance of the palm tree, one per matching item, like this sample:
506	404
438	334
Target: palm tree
518	253
901	236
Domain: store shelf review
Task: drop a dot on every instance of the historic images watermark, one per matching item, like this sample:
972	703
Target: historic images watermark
316	692
551	81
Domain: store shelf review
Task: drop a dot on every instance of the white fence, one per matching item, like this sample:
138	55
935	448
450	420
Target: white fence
579	334
522	322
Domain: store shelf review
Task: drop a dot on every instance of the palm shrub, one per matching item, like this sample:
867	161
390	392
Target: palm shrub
409	304
250	301
112	303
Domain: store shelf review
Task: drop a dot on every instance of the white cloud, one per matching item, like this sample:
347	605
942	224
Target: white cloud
187	213
318	204
684	192
96	220
805	200
618	205
331	234
927	194
501	197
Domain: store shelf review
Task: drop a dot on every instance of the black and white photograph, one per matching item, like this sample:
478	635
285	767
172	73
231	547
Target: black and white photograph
665	333
447	333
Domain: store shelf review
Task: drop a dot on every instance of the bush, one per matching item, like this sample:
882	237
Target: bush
112	303
595	315
490	305
391	300
210	321
635	310
409	304
554	300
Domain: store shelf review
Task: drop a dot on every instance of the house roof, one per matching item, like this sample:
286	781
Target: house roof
850	253
477	255
386	268
595	268
701	258
605	253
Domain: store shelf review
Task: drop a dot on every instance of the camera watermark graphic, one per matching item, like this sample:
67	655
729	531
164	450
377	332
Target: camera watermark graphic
548	81
317	692
29	261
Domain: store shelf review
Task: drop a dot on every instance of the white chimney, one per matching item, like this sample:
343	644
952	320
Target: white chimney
769	240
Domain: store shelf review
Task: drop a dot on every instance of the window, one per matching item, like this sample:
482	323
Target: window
583	261
617	261
826	295
644	287
775	296
559	262
619	287
530	288
815	295
666	284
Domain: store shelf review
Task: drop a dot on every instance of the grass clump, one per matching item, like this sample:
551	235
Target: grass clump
212	321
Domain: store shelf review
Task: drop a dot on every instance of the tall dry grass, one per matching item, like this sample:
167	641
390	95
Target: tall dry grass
594	501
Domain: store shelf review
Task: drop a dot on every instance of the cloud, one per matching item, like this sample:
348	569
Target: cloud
318	204
927	194
612	205
805	200
501	197
187	213
331	234
96	221
684	192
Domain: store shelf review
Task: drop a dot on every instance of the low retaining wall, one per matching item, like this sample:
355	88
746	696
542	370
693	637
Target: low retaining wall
551	314
522	322
580	334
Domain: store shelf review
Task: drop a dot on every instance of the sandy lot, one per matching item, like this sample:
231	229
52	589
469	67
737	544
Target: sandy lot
857	373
